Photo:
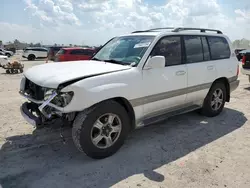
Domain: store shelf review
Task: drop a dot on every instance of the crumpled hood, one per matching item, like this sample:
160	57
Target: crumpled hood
50	75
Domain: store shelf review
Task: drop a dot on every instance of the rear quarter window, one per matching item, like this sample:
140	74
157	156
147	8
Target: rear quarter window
219	47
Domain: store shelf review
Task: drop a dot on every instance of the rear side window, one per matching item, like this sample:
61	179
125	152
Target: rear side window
77	52
219	48
89	52
193	48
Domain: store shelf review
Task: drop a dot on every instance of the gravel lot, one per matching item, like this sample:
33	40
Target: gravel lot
185	151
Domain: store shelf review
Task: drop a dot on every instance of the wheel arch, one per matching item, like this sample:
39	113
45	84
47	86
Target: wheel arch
225	81
32	55
128	107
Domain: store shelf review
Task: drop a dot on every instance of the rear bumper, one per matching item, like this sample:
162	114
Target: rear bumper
28	116
234	85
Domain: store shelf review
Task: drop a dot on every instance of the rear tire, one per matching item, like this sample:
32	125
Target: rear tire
95	133
215	100
31	57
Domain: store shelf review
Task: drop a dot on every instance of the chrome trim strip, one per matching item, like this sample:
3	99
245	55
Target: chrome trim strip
167	95
170	94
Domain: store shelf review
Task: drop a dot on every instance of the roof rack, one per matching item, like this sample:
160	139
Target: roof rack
178	29
153	29
203	30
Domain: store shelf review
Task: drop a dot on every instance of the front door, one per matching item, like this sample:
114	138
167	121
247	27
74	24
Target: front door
164	88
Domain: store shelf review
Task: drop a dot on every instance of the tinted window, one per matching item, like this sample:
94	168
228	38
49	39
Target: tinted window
89	52
38	50
62	51
219	47
193	48
205	49
77	52
170	48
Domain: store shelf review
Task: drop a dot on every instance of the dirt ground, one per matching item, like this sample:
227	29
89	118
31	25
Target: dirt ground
188	151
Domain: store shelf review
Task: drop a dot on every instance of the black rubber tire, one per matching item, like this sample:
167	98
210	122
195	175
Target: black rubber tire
7	71
8	54
206	109
31	57
12	71
83	124
21	70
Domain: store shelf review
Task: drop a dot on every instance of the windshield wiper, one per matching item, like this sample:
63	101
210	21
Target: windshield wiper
115	62
96	59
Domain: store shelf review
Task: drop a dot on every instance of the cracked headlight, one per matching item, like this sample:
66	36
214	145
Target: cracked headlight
62	99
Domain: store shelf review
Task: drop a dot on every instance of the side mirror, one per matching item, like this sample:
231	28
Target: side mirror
155	62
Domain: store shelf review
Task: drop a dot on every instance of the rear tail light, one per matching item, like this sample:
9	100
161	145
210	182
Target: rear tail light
243	60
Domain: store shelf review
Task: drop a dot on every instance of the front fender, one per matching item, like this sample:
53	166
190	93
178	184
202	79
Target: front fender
86	97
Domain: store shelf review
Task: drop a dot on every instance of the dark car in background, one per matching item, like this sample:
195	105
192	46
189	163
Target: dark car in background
238	54
245	70
74	54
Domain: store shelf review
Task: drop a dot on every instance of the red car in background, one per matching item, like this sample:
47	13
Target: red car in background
74	54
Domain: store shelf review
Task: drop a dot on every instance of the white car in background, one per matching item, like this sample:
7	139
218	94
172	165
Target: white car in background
3	60
134	80
6	52
33	53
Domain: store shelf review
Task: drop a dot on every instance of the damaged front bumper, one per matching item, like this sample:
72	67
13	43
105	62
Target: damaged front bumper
26	111
38	107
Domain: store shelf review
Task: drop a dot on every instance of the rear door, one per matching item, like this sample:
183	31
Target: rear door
201	70
43	52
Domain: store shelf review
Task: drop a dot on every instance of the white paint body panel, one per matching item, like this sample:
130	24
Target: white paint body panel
52	74
131	82
3	60
162	80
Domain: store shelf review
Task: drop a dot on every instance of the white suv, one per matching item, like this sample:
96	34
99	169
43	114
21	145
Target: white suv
132	81
35	53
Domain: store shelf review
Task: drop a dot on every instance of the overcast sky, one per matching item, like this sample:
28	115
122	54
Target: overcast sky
96	21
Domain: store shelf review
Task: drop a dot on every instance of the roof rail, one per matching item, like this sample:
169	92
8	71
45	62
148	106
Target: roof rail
153	29
203	30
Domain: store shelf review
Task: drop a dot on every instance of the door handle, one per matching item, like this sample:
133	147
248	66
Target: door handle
210	67
179	73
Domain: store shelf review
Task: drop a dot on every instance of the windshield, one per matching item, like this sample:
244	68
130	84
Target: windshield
127	49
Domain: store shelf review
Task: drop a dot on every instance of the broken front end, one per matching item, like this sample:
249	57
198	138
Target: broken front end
45	105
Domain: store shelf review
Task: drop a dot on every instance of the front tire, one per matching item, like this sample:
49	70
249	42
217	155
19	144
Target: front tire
215	100
101	130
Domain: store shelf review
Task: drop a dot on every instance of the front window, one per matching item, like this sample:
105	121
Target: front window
127	50
62	51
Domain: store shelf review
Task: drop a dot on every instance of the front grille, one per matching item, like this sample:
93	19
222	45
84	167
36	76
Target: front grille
33	90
